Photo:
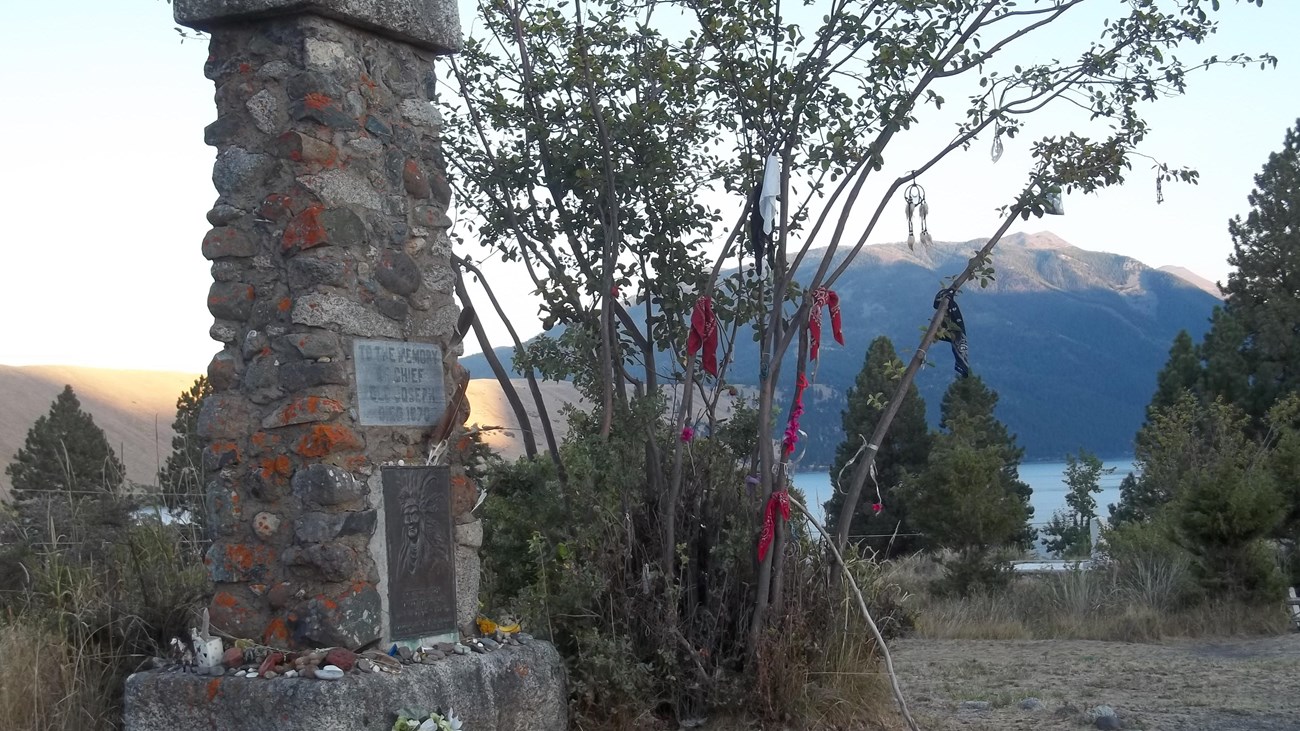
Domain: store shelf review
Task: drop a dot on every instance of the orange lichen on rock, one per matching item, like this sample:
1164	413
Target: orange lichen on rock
325	439
317	100
304	410
463	494
214	687
224	450
276	468
276	633
262	441
230	296
305	230
242	557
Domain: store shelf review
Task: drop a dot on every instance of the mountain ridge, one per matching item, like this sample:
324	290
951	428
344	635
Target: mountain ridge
1090	350
1059	330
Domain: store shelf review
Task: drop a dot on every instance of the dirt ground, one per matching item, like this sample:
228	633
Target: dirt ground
1186	685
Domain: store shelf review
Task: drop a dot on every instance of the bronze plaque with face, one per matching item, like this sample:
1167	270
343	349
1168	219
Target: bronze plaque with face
421	552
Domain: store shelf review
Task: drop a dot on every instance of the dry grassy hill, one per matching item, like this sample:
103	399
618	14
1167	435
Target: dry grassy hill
134	408
488	407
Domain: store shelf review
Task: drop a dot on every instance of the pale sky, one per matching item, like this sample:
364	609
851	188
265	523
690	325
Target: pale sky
106	179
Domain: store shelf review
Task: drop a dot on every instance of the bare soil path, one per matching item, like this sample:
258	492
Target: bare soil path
1184	685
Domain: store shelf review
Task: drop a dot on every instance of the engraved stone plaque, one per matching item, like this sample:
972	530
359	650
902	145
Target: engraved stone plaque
398	383
421	577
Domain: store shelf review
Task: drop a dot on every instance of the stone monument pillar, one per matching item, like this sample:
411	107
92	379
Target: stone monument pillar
333	298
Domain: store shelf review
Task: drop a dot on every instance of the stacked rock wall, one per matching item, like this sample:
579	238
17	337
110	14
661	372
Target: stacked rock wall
330	225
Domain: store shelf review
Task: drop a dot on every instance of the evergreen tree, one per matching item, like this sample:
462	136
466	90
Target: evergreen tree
1069	533
65	451
1227	503
1182	373
1284	465
1263	293
1170	442
972	400
961	501
905	450
1226	374
182	478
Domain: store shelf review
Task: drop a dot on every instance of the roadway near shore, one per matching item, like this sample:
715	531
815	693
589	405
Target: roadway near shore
1184	685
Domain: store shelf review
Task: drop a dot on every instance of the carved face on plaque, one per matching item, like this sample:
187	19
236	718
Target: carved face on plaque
421	555
416	550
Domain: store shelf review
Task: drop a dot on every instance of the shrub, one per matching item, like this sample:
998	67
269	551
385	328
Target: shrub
1150	568
579	562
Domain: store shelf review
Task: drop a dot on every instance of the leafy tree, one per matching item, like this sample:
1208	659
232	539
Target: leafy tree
905	449
1263	292
65	451
971	400
182	477
1069	533
1183	380
591	140
1136	504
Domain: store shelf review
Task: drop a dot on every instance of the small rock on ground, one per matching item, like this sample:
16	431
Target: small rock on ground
1104	717
1031	704
1107	723
975	705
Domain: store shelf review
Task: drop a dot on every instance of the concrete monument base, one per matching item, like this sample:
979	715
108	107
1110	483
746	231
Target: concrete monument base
516	688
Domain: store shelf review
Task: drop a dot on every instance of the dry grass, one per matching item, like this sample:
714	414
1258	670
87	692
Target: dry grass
820	668
94	595
848	687
51	684
1135	602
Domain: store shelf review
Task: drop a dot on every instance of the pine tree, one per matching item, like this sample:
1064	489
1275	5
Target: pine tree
1183	375
1263	293
1226	374
1182	372
182	478
961	501
971	399
1172	439
905	450
1284	465
1226	504
66	452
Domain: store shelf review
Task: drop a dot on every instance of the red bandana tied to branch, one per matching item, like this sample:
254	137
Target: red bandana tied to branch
823	297
704	334
780	501
792	427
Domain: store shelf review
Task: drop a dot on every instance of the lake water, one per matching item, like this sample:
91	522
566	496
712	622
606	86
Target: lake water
1044	477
